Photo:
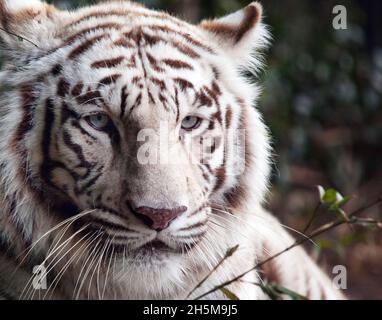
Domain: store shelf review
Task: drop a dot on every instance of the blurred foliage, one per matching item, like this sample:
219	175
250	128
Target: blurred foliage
321	98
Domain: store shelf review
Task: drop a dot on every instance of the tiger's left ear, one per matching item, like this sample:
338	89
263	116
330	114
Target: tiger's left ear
239	33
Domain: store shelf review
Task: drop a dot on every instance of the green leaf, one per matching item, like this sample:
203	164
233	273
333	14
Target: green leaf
270	292
324	244
231	251
229	294
344	201
334	200
330	196
337	206
292	294
352	238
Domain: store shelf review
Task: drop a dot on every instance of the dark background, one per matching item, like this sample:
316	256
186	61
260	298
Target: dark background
322	101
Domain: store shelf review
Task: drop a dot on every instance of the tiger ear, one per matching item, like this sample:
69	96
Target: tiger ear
25	23
239	33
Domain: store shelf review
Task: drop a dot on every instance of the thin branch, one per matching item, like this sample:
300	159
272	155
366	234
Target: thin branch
314	215
229	253
367	221
319	231
366	207
19	37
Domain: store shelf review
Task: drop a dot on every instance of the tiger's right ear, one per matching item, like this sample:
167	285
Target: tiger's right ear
26	23
240	33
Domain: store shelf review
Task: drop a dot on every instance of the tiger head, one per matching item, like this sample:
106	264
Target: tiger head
128	133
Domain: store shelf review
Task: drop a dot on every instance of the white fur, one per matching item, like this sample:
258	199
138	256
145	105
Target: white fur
255	230
18	5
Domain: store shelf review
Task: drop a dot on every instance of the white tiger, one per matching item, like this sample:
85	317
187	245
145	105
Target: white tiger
88	196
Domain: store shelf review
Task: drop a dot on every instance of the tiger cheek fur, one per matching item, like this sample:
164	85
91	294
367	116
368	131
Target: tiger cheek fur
130	155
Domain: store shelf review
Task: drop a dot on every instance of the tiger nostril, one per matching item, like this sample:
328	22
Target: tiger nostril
158	219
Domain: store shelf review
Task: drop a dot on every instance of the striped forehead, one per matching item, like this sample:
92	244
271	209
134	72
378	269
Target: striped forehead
133	58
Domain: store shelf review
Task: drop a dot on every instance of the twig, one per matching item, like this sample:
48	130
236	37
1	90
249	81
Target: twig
314	215
20	37
321	230
364	208
316	233
367	221
228	254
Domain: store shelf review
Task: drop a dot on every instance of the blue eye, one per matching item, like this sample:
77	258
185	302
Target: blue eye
191	122
98	121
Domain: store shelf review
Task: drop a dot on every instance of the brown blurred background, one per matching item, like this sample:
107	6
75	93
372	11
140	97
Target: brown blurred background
322	101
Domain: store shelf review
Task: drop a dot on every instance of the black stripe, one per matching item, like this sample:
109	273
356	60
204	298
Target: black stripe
110	210
28	107
57	69
87	45
68	113
46	139
77	149
194	226
76	125
63	206
177	104
6	247
91	182
136	104
63	87
104	224
124	96
202	207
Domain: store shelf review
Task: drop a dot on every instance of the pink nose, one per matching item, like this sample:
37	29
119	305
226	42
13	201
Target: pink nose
159	219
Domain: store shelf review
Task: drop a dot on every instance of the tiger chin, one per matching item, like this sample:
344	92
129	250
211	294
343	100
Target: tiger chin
91	202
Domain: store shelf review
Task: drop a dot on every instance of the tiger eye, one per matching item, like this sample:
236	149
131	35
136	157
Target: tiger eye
99	121
191	122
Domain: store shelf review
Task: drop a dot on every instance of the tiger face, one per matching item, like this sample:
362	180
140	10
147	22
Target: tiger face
133	141
133	126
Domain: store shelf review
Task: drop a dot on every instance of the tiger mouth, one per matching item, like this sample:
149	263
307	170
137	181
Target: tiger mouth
124	242
153	248
156	247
